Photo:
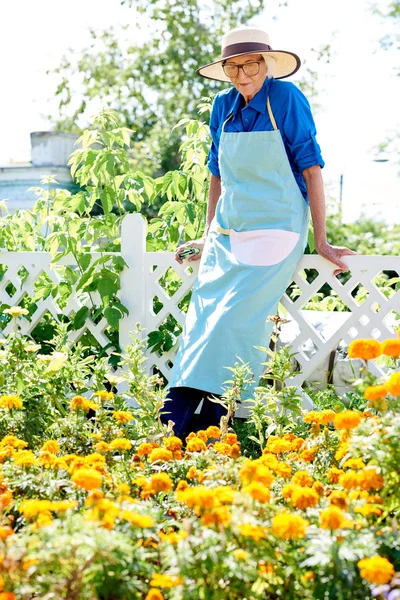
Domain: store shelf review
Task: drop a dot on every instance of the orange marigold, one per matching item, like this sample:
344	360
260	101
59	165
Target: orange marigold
321	417
332	518
339	498
257	491
213	432
289	526
347	419
370	478
334	474
391	348
196	445
375	392
302	478
88	479
304	497
365	349
161	454
160	482
173	443
377	570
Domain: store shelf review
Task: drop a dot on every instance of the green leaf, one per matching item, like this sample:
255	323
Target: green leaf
310	240
107	200
80	317
19	382
106	289
113	316
84	260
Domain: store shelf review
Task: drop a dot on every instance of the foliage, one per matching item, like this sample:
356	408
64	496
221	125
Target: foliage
104	502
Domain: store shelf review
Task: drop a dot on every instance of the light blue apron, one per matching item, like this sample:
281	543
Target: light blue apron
255	242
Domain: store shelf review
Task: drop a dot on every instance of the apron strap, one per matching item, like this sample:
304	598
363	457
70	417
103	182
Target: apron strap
229	117
271	115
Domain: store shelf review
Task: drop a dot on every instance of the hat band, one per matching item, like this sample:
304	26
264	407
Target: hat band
244	48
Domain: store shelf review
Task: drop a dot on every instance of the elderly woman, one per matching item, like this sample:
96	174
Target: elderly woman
265	168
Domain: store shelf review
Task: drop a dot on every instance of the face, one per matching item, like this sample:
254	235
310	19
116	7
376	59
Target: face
248	85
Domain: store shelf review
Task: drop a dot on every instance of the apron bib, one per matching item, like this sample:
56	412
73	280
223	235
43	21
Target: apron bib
255	242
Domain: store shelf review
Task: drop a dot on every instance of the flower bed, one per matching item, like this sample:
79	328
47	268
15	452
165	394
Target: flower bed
99	501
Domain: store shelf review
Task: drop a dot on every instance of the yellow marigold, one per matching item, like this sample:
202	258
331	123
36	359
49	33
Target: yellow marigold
393	384
349	480
213	432
78	403
137	519
289	526
51	446
16	311
240	554
254	470
154	594
308	455
319	417
88	479
160	454
368	510
303	479
202	434
25	458
102	447
222	448
339	498
287	491
47	459
354	463
257	491
32	508
174	537
391	348
370	478
192	473
10	402
160	482
13	441
165	581
283	470
268	459
304	497
377	570
181	485
375	392
347	419
230	438
332	518
278	445
308	576
5	499
103	395
342	450
95	461
173	443
217	516
196	445
122	416
121	444
256	532
63	505
365	349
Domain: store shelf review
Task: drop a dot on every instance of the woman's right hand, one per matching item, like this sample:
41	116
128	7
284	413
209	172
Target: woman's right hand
193	244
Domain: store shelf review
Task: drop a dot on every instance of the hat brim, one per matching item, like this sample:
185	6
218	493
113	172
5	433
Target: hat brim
287	63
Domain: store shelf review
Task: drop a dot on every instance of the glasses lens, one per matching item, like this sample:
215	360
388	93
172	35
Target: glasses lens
230	71
251	68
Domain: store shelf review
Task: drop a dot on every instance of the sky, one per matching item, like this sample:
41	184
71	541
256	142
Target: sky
357	90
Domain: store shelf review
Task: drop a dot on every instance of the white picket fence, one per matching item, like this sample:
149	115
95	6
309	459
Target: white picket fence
140	284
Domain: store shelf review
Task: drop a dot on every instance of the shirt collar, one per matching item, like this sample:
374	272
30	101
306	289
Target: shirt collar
258	103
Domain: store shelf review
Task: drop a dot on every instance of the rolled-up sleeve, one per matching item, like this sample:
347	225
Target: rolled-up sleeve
299	131
212	160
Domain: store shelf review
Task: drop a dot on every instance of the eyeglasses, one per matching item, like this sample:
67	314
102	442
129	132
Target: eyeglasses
250	69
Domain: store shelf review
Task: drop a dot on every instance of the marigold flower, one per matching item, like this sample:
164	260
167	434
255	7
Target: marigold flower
304	497
102	447
165	581
32	508
24	458
319	488
339	498
230	438
217	516
5	532
368	510
103	395
377	570
78	403
375	392
13	441
213	432
354	463
393	384
122	416
222	448
137	519
308	576
289	526
154	594
332	518
7	596
196	445
254	470
240	554
121	444
257	491
173	443
278	445
288	490
174	537
365	349
88	479
319	417
192	473
181	485
51	446
391	348
349	480
161	454
10	402
308	455
63	505
256	532
16	311
47	459
146	448
348	419
370	478
302	478
160	482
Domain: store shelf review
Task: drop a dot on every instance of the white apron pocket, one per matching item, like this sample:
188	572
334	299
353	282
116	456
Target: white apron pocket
262	247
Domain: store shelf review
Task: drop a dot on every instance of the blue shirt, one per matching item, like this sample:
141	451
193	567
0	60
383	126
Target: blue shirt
293	117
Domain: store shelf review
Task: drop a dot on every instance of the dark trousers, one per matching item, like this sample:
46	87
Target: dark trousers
181	405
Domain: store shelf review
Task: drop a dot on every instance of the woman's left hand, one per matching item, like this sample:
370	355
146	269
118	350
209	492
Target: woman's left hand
335	254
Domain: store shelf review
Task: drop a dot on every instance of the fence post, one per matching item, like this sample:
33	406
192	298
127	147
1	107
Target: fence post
133	277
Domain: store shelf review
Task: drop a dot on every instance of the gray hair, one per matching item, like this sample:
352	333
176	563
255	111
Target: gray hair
270	61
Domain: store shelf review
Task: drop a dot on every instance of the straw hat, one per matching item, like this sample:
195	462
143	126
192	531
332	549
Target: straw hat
249	40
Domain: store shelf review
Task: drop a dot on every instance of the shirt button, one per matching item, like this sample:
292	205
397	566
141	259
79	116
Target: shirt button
246	120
